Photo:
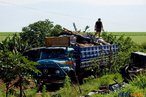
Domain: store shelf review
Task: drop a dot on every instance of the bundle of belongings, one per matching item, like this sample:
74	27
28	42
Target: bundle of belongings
83	40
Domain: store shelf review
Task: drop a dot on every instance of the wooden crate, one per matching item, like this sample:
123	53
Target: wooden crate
57	41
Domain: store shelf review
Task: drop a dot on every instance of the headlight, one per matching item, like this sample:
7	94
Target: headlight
57	71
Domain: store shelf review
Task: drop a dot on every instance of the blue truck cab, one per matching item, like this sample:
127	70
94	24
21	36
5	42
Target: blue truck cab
54	64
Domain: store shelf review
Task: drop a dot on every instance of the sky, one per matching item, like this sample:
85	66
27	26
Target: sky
116	15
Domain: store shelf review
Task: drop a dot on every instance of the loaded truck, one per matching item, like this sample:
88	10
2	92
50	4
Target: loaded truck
59	58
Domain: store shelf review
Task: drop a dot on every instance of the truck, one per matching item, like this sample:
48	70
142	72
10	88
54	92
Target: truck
59	59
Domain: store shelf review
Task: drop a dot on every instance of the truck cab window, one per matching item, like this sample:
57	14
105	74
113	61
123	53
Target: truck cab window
52	53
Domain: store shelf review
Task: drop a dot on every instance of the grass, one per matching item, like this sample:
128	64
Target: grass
3	35
134	88
129	33
137	37
89	85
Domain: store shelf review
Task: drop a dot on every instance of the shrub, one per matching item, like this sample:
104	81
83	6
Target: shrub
126	46
44	92
67	90
30	92
144	45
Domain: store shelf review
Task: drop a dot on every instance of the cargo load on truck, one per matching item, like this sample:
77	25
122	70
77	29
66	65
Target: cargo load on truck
70	38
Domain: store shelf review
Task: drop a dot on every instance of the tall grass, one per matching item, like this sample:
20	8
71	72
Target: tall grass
139	81
136	86
94	84
68	90
31	92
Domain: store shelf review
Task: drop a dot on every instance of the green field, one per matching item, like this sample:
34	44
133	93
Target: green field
3	35
138	37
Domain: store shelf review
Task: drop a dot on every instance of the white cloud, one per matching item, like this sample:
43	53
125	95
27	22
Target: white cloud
94	2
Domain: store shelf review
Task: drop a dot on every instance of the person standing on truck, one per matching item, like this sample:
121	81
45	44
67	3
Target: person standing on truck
98	27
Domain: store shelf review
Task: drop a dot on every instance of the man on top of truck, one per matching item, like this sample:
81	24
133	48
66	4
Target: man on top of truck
98	27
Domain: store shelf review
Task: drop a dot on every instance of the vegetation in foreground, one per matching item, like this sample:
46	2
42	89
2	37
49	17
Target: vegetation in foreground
134	88
17	44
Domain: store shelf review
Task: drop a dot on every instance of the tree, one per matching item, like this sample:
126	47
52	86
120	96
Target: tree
14	66
35	33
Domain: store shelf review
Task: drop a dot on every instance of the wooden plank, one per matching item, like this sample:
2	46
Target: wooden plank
57	41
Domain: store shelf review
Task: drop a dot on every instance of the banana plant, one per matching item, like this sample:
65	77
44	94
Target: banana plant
76	30
14	44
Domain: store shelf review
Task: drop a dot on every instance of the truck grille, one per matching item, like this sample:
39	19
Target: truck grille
47	71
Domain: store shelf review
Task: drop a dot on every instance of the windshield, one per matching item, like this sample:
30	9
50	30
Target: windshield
53	53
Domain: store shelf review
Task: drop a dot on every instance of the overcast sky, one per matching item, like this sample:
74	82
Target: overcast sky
116	15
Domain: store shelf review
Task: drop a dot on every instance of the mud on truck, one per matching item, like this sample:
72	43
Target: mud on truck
69	54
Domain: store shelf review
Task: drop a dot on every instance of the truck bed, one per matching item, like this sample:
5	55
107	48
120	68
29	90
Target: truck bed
88	54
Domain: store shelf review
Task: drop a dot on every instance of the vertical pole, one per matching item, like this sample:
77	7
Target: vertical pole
110	58
21	86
